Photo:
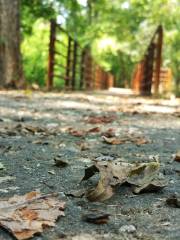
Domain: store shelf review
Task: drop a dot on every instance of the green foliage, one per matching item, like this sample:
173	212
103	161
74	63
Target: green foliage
35	52
32	10
118	32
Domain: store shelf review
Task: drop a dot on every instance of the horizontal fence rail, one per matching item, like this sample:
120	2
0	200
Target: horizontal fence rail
73	66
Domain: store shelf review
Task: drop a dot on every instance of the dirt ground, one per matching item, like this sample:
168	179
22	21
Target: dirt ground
34	129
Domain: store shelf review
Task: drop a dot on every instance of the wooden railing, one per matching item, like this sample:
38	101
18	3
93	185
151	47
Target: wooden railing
149	75
73	65
165	80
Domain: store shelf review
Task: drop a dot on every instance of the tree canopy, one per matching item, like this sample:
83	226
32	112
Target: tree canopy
117	31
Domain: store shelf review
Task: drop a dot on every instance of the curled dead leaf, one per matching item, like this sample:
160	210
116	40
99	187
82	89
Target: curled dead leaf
142	176
96	217
89	172
153	186
113	140
100	193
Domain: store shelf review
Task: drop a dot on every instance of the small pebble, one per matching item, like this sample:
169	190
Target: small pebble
128	228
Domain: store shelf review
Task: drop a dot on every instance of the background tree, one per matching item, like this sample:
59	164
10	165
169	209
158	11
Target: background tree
11	73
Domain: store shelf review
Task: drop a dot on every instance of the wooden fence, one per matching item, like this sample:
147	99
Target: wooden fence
73	66
149	77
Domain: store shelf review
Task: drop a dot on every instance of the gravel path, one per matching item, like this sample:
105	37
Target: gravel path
37	127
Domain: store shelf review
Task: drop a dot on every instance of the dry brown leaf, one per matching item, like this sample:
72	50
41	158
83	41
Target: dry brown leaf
142	176
96	217
139	140
100	119
145	178
77	133
84	146
109	133
23	216
113	140
94	130
101	193
34	129
23	128
177	157
111	174
153	186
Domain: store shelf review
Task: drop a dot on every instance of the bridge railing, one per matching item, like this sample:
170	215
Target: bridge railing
73	66
149	77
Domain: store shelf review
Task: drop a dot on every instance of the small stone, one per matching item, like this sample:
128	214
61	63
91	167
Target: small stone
128	228
52	172
2	166
171	181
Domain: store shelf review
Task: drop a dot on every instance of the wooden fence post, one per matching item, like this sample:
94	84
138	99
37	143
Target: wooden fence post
81	85
73	84
158	60
146	83
51	54
68	63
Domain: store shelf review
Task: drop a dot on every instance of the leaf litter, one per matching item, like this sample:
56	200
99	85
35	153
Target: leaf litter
96	217
173	201
109	134
101	119
141	176
138	140
82	133
23	216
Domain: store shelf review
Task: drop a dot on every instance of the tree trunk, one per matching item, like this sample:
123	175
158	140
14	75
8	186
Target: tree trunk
11	74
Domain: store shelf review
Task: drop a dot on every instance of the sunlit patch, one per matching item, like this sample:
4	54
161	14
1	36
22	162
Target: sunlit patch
125	5
82	2
108	44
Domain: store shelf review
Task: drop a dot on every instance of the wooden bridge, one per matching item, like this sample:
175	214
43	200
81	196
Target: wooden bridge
77	68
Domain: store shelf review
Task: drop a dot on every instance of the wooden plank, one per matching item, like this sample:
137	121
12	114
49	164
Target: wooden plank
158	59
74	66
68	62
49	82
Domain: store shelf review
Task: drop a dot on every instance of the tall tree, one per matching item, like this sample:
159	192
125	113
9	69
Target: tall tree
11	74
